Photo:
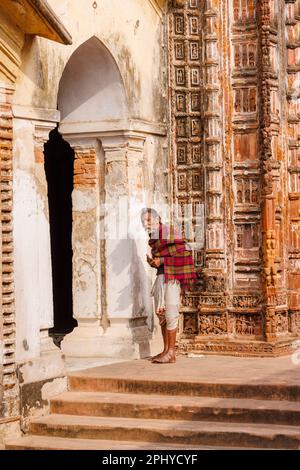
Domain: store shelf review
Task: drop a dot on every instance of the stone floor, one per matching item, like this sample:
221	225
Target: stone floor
232	370
75	364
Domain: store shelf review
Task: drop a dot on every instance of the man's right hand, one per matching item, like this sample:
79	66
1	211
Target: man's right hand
155	263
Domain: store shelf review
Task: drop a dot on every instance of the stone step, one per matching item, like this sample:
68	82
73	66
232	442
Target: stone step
167	431
129	405
85	381
61	443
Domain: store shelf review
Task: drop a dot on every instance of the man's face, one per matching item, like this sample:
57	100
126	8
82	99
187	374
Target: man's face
150	222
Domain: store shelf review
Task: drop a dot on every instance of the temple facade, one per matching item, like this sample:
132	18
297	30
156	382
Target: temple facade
234	95
189	106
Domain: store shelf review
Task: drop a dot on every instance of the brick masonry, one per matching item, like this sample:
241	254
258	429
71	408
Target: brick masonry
10	405
85	168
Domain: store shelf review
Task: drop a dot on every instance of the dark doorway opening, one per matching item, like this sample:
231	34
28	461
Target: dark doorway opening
59	166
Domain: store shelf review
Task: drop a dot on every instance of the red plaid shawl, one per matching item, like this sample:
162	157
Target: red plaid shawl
178	261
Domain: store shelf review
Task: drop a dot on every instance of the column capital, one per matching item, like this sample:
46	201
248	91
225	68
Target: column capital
126	140
80	142
41	136
42	130
128	147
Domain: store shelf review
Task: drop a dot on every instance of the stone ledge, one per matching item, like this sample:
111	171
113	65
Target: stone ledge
35	114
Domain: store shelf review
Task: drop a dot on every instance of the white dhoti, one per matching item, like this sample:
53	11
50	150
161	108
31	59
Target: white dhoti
166	301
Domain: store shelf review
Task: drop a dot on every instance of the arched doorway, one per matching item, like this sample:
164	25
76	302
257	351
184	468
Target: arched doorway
59	167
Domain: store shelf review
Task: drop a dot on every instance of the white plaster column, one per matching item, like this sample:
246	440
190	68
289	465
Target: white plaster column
125	272
86	339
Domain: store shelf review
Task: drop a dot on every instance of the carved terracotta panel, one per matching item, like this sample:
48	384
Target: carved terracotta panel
235	144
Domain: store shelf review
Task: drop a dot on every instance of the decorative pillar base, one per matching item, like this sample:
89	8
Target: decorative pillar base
46	343
85	339
235	347
120	340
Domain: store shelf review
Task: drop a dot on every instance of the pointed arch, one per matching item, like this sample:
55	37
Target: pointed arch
91	87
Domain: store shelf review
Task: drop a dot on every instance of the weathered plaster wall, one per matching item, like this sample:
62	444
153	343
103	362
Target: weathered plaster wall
130	29
38	387
32	246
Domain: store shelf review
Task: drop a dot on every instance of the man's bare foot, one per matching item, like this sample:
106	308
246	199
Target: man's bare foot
165	335
167	358
158	356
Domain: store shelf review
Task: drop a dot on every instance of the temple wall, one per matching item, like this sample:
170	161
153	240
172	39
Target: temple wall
190	102
231	124
111	100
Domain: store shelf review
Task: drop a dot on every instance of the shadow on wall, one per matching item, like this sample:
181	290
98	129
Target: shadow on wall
125	256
